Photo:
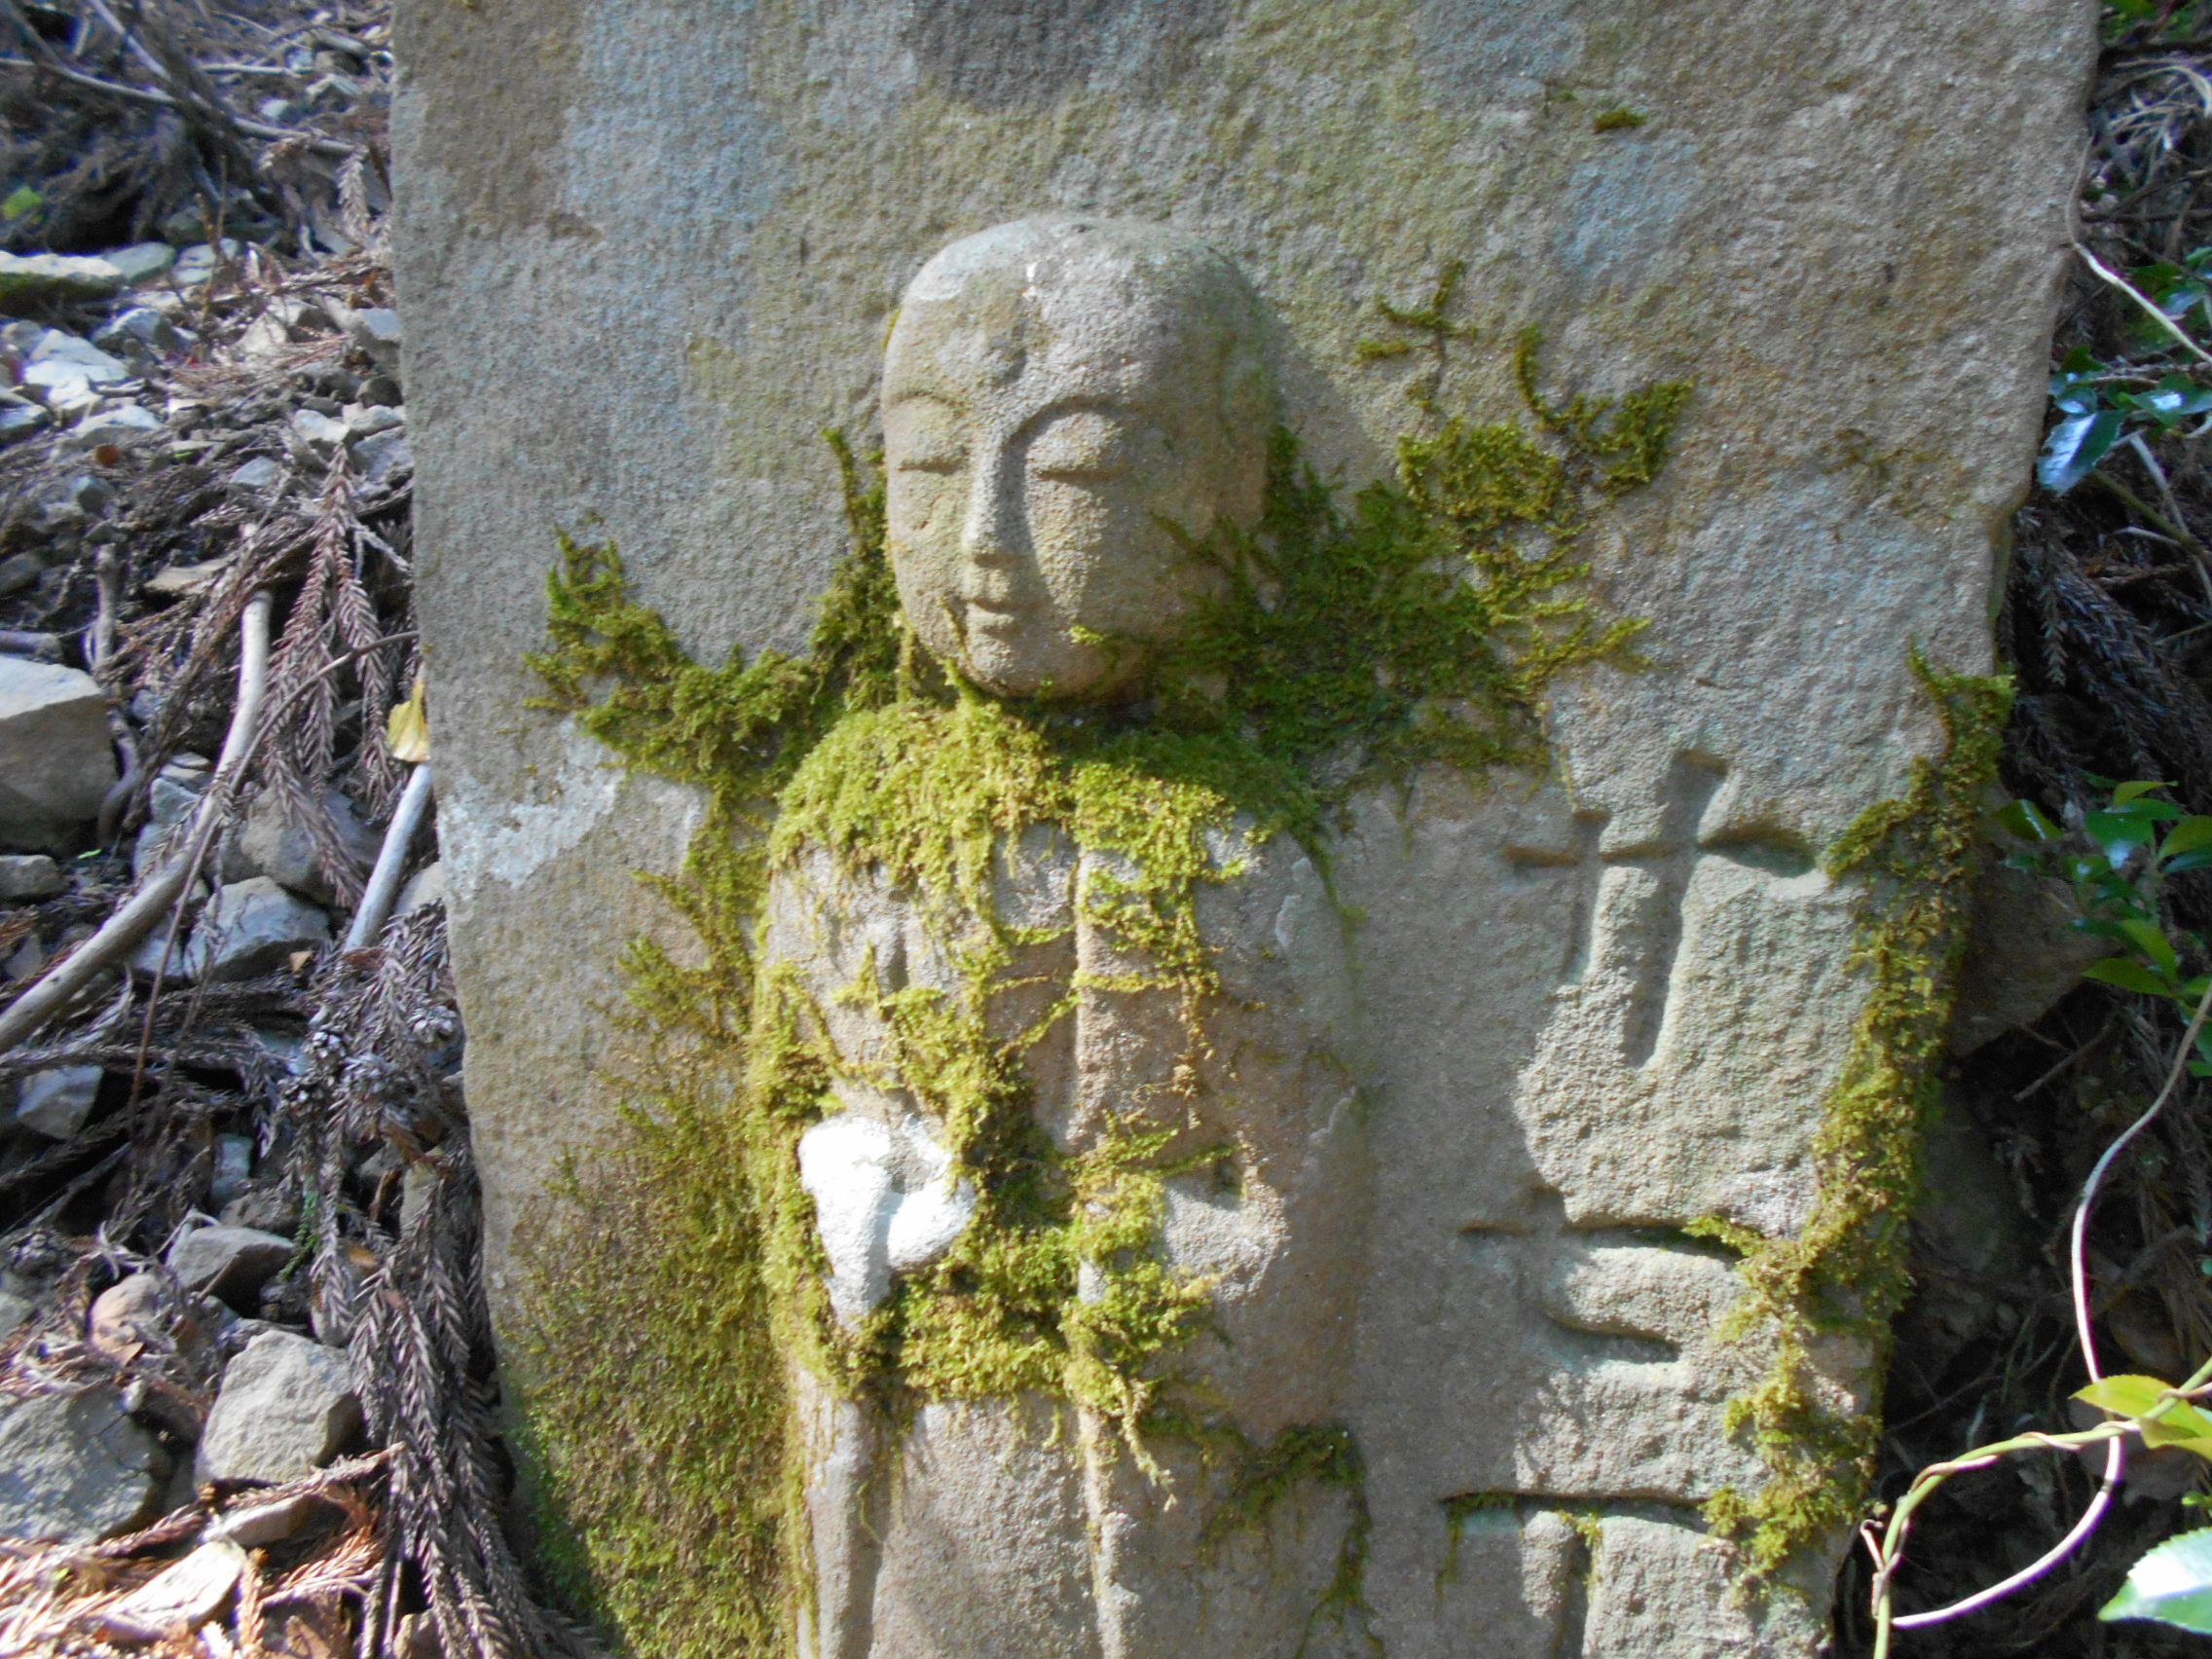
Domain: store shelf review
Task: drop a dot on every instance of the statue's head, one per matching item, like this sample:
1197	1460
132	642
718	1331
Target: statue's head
1068	404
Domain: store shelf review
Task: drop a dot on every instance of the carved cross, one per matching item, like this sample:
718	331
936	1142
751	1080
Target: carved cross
1635	930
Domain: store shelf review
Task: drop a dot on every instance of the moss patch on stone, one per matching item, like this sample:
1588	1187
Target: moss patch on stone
672	1302
1844	1275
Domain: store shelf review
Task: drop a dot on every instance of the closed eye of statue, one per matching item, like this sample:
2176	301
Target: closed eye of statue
1085	446
923	436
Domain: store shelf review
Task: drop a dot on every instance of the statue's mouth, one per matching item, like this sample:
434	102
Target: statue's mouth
992	616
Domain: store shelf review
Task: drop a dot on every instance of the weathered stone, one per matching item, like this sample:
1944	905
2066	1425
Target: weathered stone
272	844
287	1407
141	328
70	373
120	424
20	570
28	282
57	1103
180	1597
56	762
29	876
75	1469
376	332
132	1314
15	1311
232	1172
427	886
232	1262
258	473
1596	1006
264	1524
142	262
2026	952
170	798
196	265
251	928
384	457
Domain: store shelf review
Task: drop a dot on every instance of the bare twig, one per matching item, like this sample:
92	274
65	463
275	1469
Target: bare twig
391	861
146	95
60	985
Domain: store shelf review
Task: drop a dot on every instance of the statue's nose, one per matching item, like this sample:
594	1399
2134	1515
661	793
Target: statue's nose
991	537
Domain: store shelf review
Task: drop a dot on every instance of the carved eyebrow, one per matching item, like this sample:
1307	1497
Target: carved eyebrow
1083	404
918	394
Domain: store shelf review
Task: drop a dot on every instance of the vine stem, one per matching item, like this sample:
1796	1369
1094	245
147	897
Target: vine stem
1889	1552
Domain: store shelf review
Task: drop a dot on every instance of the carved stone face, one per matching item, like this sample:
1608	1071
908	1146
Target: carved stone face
1067	403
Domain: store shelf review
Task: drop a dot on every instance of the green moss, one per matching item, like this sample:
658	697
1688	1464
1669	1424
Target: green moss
1618	121
681	1291
1845	1273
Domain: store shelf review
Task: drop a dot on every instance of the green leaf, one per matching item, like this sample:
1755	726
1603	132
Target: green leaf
2171	1584
20	201
2074	446
2127	975
2135	790
2118	835
2191	834
2136	1395
2150	939
2027	821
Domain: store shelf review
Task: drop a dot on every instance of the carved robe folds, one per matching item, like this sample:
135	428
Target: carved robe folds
1024	1527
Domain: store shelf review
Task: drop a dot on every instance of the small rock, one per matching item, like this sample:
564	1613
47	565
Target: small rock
15	1311
286	1406
170	801
59	345
19	338
232	1171
375	331
270	1209
75	1468
18	570
56	762
259	473
196	265
366	420
251	928
118	424
382	391
383	457
18	417
141	328
184	227
129	1317
30	876
232	1262
178	1599
272	844
142	262
416	1638
47	279
266	1524
427	886
288	1050
69	384
57	1103
319	432
27	959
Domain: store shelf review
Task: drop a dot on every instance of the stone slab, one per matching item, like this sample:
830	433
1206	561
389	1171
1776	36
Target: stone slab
639	280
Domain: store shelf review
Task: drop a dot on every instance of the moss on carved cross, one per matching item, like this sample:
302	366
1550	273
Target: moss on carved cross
1844	1275
1421	623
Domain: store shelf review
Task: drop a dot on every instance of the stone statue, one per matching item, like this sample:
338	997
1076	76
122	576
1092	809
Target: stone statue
1069	405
